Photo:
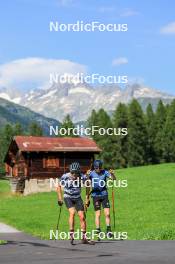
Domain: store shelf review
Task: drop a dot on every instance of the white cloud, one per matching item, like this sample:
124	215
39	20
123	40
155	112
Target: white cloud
168	29
119	61
128	12
35	72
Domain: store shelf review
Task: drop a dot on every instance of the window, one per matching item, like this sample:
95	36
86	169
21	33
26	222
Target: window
51	162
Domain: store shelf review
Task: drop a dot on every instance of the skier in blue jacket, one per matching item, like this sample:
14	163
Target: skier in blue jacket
98	177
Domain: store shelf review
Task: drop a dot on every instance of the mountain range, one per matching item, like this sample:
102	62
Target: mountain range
78	100
11	113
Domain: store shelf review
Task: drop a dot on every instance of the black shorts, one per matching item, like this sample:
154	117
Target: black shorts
76	203
101	200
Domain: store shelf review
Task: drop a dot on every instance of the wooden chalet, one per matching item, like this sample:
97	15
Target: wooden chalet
45	157
40	158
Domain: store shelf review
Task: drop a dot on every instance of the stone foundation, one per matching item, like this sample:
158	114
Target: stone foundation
37	186
17	185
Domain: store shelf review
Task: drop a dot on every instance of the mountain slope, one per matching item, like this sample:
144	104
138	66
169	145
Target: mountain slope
78	100
13	113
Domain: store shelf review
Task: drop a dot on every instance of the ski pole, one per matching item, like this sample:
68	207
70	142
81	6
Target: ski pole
113	206
88	193
86	206
113	196
59	215
85	210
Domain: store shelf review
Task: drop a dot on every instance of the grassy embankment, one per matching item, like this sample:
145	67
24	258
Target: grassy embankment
145	209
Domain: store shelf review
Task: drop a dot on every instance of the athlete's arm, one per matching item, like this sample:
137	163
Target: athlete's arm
59	193
110	174
113	177
88	188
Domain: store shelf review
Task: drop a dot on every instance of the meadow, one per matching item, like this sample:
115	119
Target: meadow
145	209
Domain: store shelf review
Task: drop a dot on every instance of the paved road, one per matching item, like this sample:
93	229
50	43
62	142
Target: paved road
22	248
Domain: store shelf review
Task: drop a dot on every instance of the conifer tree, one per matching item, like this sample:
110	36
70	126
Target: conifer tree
102	120
35	129
68	126
120	120
6	136
169	135
18	130
92	121
151	130
105	141
160	118
137	135
8	133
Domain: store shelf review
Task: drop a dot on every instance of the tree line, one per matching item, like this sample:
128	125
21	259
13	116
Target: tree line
9	131
150	138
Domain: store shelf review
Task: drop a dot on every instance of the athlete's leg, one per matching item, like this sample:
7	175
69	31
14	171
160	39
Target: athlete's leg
97	208
80	210
71	218
82	220
97	218
107	216
106	206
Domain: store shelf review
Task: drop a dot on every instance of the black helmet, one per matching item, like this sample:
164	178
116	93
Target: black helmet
75	167
98	164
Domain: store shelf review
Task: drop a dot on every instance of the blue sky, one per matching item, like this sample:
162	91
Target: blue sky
148	46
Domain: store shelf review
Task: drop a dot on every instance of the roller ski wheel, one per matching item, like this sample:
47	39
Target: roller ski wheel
87	242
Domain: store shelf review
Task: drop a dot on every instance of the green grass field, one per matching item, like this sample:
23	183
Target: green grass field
3	242
145	209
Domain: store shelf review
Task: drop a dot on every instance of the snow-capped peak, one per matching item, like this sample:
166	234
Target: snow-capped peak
78	100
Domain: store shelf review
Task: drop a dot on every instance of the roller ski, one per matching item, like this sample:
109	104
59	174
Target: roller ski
72	239
86	241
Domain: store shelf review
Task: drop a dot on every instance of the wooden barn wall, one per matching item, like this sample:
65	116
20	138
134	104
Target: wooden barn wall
36	168
20	169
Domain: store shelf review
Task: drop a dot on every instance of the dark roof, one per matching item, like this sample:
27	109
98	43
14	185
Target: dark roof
30	143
